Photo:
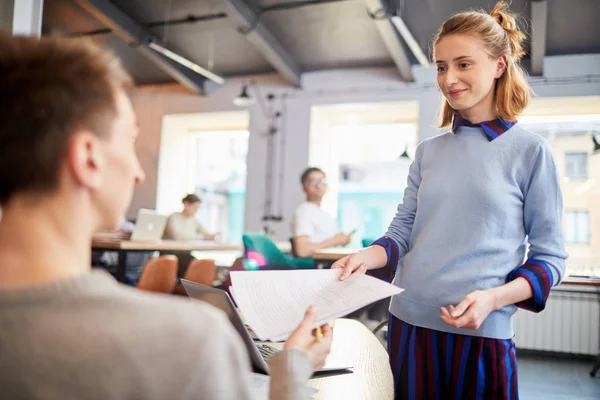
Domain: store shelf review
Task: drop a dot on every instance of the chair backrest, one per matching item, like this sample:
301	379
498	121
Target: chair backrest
201	271
294	254
238	265
260	251
366	242
159	274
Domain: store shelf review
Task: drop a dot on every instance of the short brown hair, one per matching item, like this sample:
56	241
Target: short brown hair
499	32
307	172
191	198
50	88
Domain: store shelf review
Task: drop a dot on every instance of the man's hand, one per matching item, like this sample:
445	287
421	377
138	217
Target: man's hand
304	339
341	239
471	311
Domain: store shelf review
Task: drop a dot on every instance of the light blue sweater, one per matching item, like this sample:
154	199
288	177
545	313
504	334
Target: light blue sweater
469	210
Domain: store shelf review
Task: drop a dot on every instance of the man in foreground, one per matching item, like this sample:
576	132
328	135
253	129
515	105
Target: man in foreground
67	169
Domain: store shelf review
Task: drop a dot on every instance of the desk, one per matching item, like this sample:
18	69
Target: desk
122	247
332	254
162	245
372	378
588	285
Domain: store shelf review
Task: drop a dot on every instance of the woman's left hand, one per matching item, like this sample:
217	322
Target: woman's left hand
471	311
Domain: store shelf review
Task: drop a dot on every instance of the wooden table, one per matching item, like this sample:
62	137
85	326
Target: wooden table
163	245
354	344
122	247
104	242
333	254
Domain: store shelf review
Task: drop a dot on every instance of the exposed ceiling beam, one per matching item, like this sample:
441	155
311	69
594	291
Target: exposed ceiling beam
132	32
22	17
410	40
539	21
390	38
266	43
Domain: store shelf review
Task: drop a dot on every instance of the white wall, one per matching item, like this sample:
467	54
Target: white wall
152	103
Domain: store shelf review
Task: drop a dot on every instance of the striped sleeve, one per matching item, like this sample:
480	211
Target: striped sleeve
542	218
391	249
539	276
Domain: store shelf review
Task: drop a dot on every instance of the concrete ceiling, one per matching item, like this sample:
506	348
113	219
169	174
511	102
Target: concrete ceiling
316	35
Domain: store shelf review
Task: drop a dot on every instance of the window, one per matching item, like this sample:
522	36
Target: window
576	165
219	178
567	124
365	149
373	166
577	227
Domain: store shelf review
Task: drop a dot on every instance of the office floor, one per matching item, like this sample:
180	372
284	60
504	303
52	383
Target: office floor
551	378
545	377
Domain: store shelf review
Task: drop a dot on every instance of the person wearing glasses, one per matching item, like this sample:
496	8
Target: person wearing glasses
312	227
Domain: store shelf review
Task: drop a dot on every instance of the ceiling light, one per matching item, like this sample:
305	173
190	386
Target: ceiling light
596	143
186	63
244	99
405	154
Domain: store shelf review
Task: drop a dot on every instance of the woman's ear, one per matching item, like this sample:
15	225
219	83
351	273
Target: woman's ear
501	64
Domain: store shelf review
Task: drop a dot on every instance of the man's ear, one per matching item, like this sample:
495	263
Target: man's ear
501	64
86	159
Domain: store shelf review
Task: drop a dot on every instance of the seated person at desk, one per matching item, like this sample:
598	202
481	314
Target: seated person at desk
184	225
312	227
68	168
108	260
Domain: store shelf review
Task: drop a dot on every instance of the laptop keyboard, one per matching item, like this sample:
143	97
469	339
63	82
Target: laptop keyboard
266	351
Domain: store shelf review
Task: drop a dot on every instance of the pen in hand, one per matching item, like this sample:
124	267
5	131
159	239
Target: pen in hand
319	334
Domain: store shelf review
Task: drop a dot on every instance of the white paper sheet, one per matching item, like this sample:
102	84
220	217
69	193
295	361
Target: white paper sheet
274	302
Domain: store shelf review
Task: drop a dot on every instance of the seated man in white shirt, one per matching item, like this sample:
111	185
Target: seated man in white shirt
184	225
312	227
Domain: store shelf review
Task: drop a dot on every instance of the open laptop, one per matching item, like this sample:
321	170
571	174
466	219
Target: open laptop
149	226
259	352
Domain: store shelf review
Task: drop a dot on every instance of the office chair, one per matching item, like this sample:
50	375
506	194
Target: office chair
199	271
293	247
159	275
261	253
366	242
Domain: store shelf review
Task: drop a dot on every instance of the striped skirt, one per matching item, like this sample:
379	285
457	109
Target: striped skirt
429	364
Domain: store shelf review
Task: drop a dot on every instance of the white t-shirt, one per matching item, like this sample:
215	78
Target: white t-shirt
311	220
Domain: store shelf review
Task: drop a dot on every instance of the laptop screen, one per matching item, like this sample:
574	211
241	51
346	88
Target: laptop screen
221	300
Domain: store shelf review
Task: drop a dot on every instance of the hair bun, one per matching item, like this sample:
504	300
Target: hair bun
508	22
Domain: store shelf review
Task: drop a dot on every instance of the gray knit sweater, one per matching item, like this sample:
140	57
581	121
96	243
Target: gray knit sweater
92	338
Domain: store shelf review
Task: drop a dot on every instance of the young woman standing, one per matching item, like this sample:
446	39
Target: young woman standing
476	197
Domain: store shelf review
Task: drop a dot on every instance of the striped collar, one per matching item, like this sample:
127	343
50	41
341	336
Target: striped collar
492	129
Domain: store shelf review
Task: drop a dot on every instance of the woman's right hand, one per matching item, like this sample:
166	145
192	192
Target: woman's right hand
358	263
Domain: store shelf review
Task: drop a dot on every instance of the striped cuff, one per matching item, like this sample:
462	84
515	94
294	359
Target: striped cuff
539	276
391	249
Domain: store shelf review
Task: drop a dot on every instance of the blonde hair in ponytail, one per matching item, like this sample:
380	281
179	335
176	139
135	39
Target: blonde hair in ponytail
501	37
